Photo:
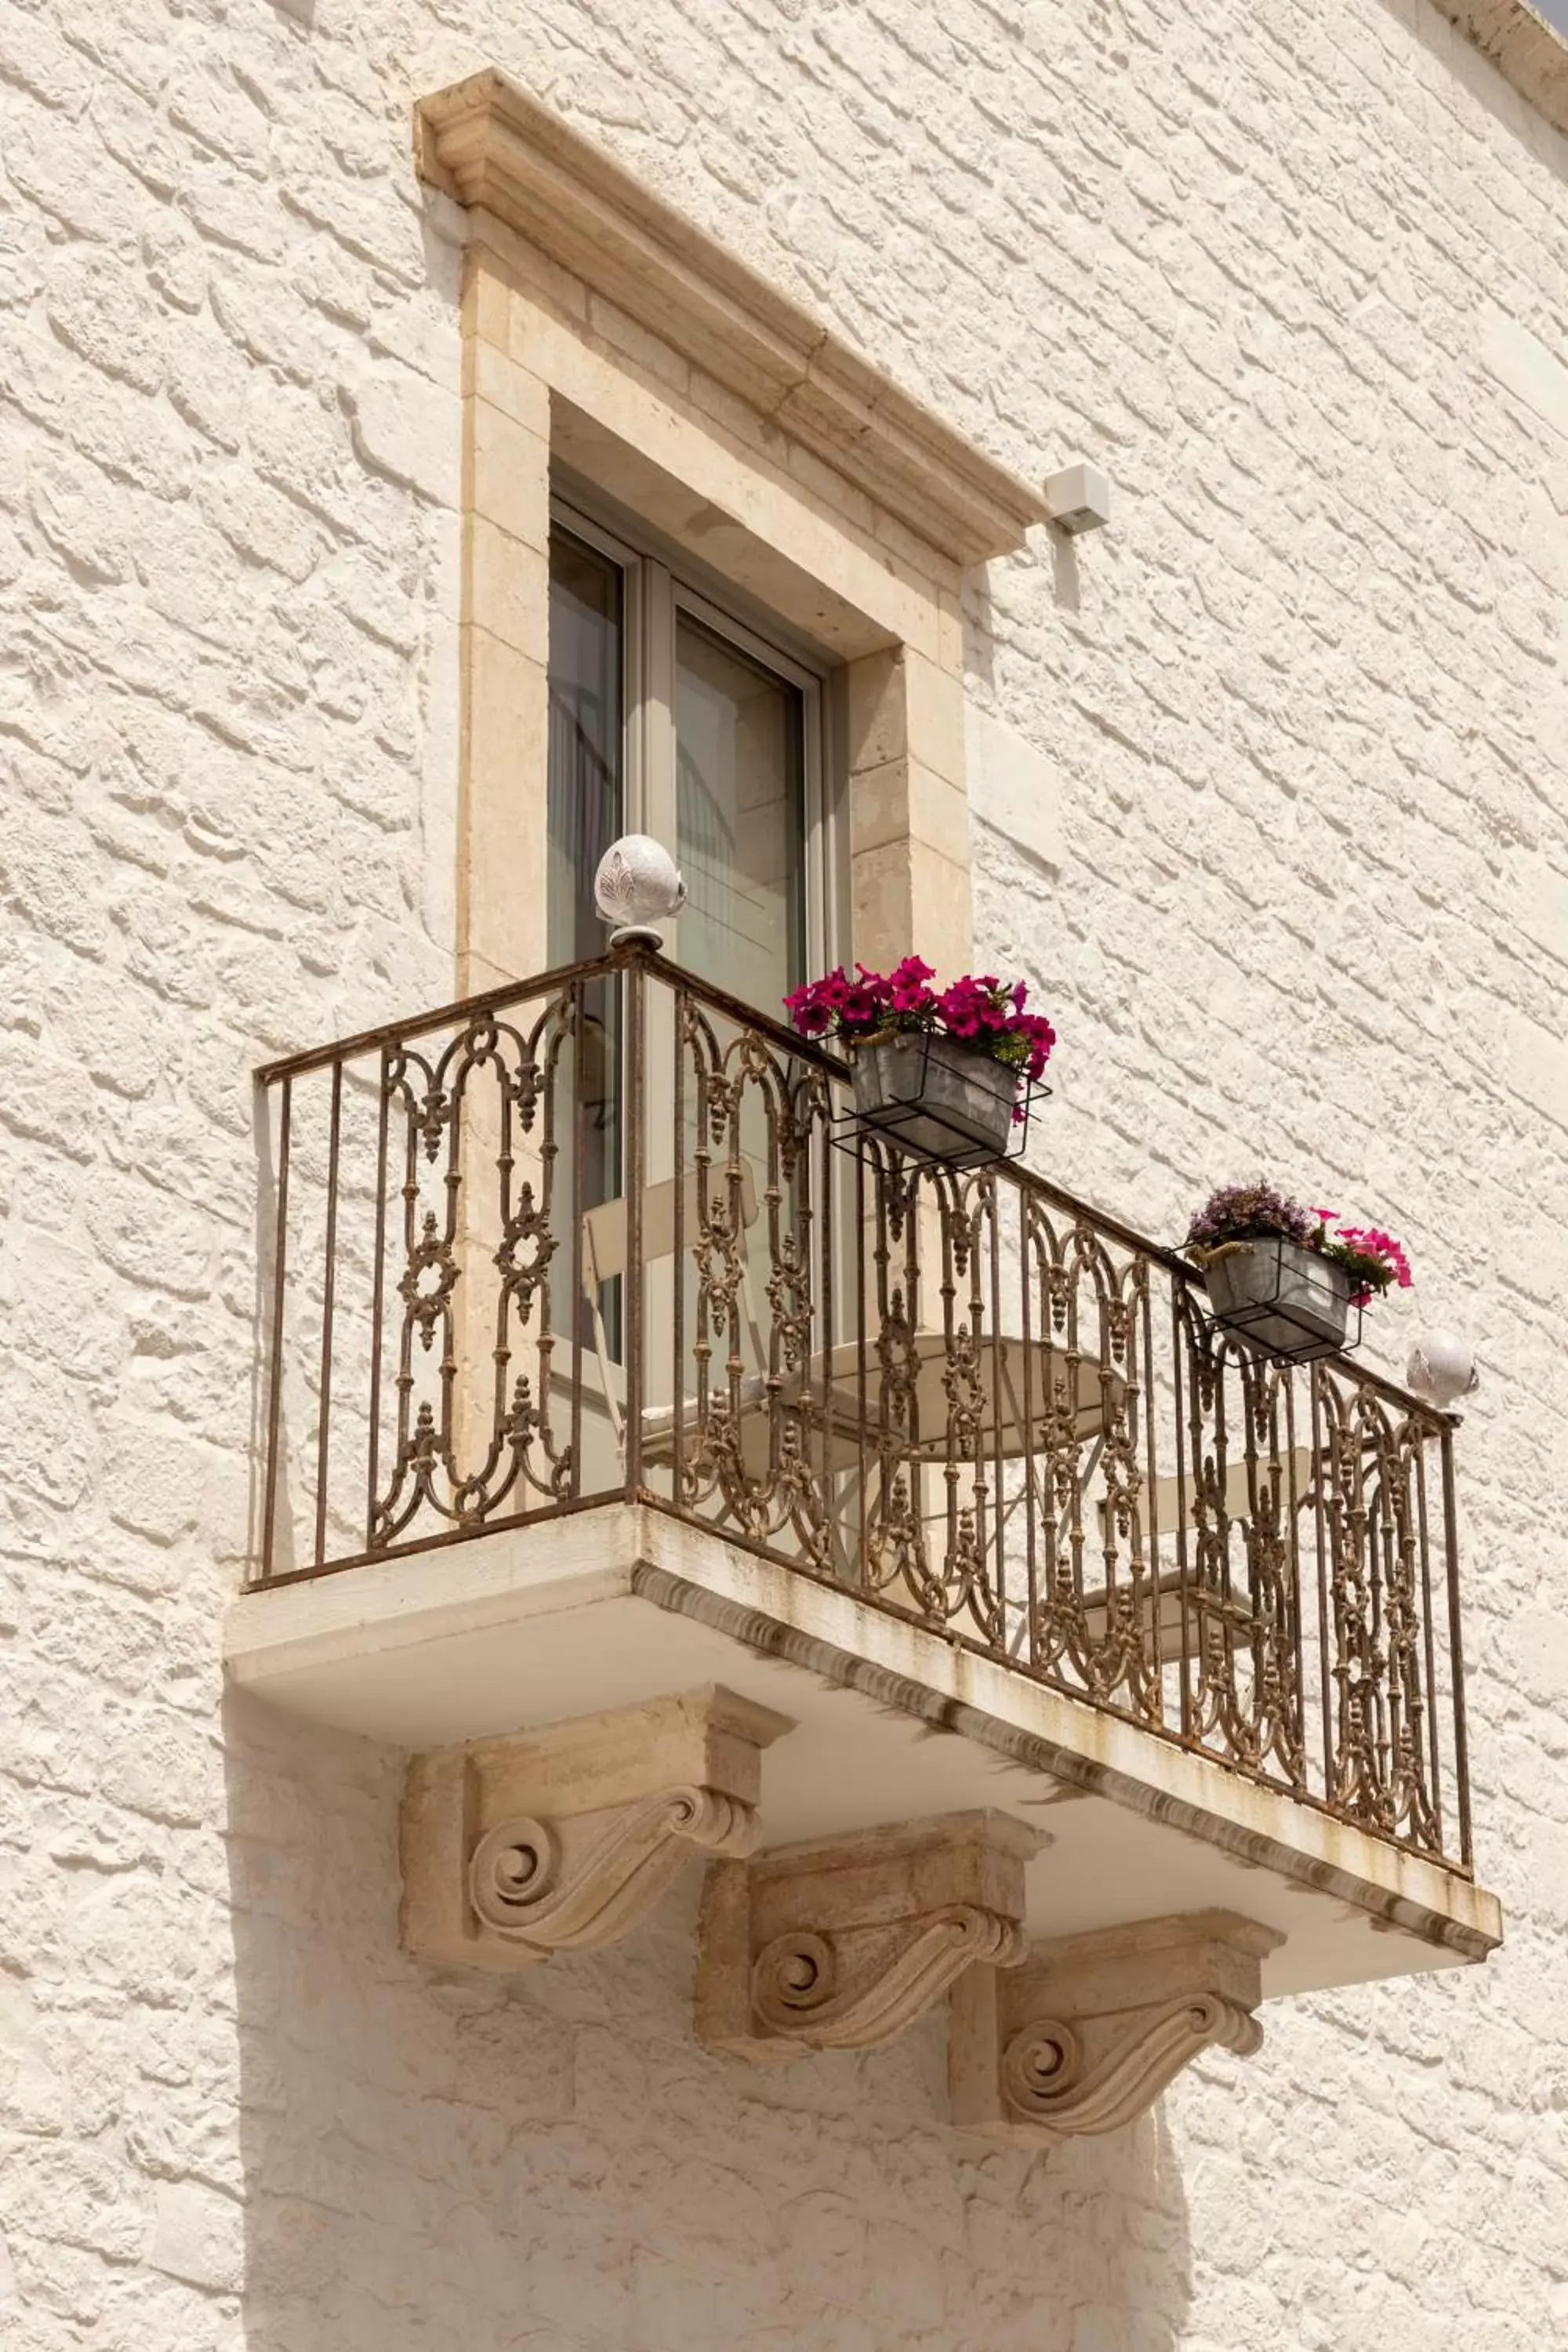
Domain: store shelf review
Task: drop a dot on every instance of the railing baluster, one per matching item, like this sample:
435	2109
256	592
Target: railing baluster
1456	1648
678	1276
1293	1584
1151	1499
329	1292
637	1177
1321	1473
1025	1326
372	1466
822	1321
862	1317
996	1534
578	1023
1183	1570
1429	1636
275	1384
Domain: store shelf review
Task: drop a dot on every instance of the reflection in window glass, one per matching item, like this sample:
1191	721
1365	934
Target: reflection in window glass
586	788
586	800
739	818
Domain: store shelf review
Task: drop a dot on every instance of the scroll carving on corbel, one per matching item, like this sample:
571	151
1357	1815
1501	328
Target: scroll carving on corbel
840	1946
1087	2031
563	1838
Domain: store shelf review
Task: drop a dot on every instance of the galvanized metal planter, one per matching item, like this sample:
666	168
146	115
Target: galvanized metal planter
934	1096
1280	1297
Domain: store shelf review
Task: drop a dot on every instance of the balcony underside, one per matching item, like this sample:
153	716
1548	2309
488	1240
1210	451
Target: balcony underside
604	1606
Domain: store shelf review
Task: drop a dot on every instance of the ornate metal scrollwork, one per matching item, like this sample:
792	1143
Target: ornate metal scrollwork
746	1368
961	1396
1373	1464
449	1127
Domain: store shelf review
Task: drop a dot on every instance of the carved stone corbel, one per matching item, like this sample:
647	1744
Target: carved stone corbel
840	1946
1090	2029
562	1839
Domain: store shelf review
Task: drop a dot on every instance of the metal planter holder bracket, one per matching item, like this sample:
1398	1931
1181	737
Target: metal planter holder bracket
938	1098
1285	1300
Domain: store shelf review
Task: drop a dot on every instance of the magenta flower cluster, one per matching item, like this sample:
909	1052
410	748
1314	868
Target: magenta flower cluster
1236	1212
980	1011
1374	1259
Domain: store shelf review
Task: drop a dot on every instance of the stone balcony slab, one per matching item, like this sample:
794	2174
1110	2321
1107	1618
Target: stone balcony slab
605	1607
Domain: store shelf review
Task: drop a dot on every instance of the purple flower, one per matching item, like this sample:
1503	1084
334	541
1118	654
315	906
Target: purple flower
1371	1258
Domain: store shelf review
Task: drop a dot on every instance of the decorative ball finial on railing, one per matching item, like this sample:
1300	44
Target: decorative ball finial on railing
1442	1368
637	885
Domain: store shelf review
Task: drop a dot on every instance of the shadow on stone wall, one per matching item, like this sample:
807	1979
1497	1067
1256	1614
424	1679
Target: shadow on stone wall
549	2163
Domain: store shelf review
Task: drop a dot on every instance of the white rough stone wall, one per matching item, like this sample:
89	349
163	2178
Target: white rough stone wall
1295	273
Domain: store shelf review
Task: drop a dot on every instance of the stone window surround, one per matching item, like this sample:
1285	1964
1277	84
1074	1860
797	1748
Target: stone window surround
1526	50
605	334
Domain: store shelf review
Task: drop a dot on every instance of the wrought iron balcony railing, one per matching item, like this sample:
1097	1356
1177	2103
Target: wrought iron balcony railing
609	1235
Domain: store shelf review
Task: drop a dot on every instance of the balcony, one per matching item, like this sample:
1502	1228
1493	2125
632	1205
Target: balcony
635	1423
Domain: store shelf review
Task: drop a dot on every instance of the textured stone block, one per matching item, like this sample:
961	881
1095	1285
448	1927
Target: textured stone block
842	1945
563	1840
1084	2034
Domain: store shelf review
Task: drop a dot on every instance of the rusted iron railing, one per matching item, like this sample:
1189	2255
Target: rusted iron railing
610	1234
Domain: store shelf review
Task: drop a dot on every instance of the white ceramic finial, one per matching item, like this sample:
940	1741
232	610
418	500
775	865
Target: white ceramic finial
637	885
1442	1368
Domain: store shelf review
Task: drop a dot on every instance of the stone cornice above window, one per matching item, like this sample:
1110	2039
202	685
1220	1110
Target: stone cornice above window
1525	49
491	145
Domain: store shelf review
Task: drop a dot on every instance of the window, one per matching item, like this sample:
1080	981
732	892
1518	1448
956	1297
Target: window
670	715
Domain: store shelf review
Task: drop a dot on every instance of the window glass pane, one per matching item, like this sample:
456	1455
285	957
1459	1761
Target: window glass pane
740	818
586	784
586	801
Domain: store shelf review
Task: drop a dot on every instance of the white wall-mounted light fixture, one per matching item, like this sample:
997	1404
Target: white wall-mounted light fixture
1078	499
1442	1368
637	885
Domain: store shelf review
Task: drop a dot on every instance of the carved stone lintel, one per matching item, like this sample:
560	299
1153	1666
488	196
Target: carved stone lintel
840	1946
1090	2029
561	1839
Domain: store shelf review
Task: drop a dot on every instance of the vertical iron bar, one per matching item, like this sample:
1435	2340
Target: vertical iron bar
1298	1685
275	1390
1319	1475
1428	1641
328	1291
1376	1538
1026	1322
678	1264
373	1450
1184	1586
861	1313
1152	1509
1151	1453
578	1018
637	1151
1456	1648
998	1465
821	1319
